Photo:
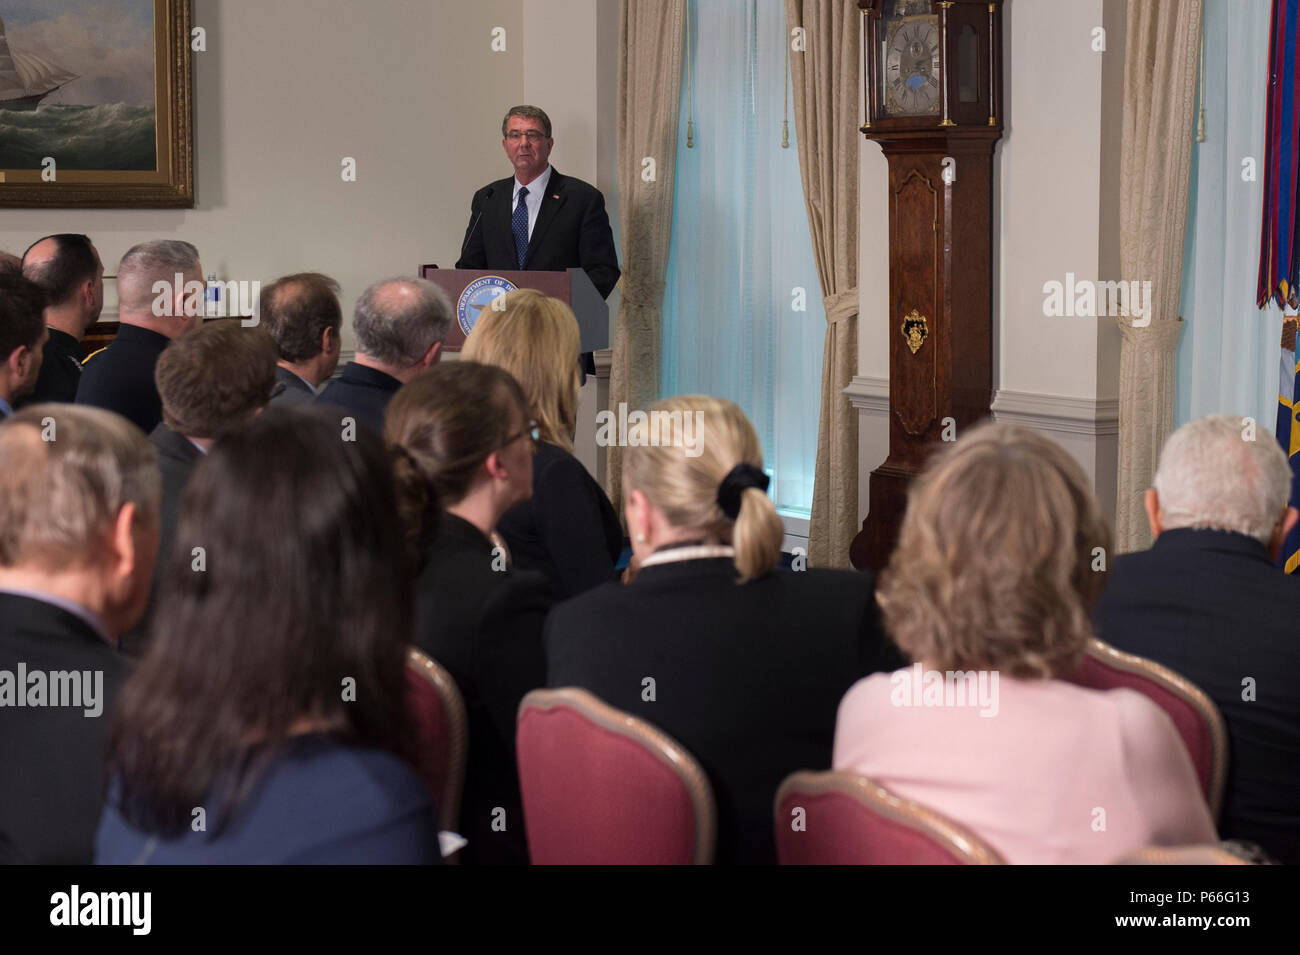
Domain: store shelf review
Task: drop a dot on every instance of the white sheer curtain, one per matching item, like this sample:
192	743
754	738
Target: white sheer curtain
1227	359
740	245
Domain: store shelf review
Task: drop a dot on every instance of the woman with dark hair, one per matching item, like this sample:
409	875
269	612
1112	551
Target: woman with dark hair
265	722
462	437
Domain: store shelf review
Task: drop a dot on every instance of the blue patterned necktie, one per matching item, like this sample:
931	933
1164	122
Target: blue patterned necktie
519	224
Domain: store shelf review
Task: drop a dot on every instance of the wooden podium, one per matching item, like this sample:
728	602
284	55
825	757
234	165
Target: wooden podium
472	290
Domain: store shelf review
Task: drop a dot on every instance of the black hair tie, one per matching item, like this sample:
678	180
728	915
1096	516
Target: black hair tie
733	486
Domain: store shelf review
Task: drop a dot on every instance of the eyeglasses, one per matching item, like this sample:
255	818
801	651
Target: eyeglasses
532	135
532	432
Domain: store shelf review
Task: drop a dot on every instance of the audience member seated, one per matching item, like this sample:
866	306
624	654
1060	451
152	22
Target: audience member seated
741	664
302	314
463	439
568	529
10	264
78	535
399	326
212	381
22	339
68	268
120	378
988	591
1208	601
264	723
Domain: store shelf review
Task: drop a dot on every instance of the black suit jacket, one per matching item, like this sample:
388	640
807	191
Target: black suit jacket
120	378
296	391
60	371
177	456
748	677
568	529
363	392
572	231
1212	606
485	626
52	758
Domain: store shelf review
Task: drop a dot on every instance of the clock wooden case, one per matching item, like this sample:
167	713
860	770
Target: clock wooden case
933	76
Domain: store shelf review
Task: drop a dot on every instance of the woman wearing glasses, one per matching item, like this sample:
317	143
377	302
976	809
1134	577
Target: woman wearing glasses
464	445
568	530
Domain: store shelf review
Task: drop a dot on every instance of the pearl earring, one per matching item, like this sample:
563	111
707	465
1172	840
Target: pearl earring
640	538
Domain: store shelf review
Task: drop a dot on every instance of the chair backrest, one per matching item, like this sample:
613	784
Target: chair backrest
601	787
438	713
1183	855
836	818
1194	714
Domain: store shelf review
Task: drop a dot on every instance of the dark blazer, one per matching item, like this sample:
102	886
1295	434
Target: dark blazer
296	391
120	378
1212	606
568	530
60	371
52	758
484	625
748	677
321	801
177	456
572	231
363	392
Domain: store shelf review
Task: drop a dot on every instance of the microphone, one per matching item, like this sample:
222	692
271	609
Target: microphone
486	196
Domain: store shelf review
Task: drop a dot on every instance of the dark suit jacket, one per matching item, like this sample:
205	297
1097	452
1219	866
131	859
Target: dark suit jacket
485	626
296	391
362	392
60	371
747	677
568	530
1212	606
177	456
52	758
572	231
120	378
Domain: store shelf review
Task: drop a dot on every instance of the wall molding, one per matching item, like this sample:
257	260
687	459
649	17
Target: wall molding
1066	414
869	393
1061	413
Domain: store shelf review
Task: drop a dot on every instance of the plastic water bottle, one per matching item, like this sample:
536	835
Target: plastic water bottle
212	297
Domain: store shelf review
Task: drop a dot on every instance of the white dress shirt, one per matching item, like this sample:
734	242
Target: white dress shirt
536	189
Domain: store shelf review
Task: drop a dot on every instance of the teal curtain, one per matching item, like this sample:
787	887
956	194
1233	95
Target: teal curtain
1227	359
743	315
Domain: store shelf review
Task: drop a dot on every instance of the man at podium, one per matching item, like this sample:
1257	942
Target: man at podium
539	219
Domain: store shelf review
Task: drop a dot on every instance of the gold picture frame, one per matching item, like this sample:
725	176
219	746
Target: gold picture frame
171	183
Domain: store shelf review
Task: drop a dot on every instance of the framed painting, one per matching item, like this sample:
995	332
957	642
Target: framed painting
96	103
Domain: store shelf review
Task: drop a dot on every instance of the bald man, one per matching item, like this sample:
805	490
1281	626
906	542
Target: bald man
68	268
399	326
121	377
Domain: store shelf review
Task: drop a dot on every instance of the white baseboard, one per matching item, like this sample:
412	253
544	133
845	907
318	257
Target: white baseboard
1086	427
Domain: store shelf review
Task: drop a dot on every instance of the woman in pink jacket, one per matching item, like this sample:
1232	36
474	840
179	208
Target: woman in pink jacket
989	592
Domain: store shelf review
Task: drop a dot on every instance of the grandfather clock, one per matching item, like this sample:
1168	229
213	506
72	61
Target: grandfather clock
933	75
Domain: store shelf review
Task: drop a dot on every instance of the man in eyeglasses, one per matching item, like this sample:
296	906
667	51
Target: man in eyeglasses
539	219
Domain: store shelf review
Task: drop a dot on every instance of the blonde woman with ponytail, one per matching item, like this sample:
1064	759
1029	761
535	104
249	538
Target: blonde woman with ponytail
739	661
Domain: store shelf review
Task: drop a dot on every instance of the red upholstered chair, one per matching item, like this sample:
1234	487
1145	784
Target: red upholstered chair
1195	716
601	787
438	713
850	820
1183	855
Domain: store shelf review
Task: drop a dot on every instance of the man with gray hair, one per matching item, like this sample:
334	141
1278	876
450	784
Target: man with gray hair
399	326
1208	601
160	293
78	539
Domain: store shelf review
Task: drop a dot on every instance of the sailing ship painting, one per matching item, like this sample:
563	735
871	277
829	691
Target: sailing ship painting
77	85
26	79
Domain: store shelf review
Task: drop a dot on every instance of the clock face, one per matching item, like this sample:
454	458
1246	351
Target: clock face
911	58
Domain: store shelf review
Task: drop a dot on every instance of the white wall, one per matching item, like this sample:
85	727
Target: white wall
410	88
1055	211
